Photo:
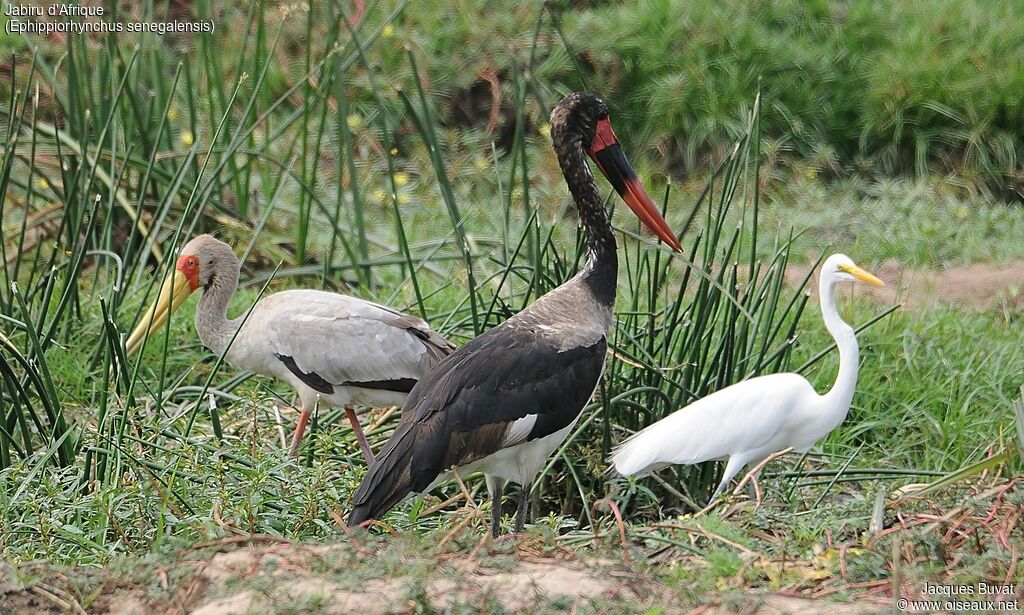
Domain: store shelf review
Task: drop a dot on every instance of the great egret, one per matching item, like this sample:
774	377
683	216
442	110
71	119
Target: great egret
749	421
335	348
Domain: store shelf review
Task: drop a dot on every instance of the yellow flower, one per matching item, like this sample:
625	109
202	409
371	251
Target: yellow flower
187	138
545	129
403	199
387	31
42	183
401	178
394	151
480	163
172	114
810	173
355	121
378	195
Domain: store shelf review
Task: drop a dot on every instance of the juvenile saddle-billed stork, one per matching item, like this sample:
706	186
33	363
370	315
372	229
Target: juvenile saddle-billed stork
747	422
503	402
339	349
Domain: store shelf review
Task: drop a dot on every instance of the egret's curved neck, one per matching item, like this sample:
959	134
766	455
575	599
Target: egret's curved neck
212	323
841	393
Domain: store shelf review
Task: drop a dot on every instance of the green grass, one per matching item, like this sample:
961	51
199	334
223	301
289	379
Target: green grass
920	224
859	87
918	387
731	558
854	86
345	168
940	382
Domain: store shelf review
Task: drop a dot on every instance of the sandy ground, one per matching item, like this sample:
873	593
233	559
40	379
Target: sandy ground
292	578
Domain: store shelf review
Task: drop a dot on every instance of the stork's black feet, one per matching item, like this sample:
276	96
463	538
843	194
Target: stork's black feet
523	510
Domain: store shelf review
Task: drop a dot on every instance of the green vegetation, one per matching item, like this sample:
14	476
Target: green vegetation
400	154
921	224
940	383
860	86
854	88
669	568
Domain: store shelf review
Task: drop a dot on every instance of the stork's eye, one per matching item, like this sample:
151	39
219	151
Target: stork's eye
191	262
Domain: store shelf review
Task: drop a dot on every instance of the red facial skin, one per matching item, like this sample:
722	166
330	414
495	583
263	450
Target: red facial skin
189	266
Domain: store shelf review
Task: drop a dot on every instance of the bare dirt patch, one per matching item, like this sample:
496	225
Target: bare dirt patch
979	286
337	578
313	578
530	584
778	604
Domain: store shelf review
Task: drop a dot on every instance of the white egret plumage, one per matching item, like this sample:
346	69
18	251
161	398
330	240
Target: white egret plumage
332	348
747	422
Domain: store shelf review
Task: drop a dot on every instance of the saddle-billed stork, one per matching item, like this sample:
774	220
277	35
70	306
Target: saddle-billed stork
754	419
335	348
502	403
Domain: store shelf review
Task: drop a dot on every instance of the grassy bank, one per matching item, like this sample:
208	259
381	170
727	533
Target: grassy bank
353	152
850	87
939	381
860	87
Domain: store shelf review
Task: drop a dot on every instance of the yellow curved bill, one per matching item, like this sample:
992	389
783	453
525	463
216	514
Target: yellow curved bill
862	275
174	291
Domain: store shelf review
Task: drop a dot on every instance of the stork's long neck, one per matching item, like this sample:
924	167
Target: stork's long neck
601	269
841	393
212	322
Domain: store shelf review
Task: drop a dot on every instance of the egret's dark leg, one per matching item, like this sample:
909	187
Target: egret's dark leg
495	487
751	490
364	444
523	511
299	429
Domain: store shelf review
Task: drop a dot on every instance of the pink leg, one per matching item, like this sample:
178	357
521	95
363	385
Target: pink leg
360	436
299	429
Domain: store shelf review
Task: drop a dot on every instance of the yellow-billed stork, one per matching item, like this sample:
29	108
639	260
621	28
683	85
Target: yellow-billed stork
335	348
502	403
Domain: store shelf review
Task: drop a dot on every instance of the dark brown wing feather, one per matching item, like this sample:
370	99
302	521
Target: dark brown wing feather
461	410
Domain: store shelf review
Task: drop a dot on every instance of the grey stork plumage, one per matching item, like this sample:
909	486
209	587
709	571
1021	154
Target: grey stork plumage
333	348
502	403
